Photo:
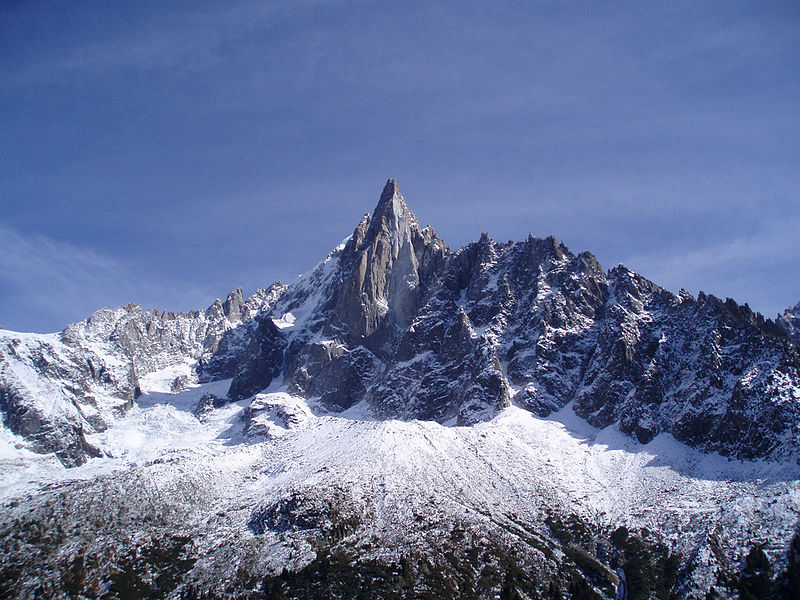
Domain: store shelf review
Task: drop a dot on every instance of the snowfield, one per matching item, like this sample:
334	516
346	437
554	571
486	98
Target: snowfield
515	465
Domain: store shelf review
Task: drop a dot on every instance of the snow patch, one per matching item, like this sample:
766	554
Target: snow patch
287	320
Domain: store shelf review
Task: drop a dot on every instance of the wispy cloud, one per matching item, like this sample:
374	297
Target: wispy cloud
758	268
182	42
659	136
47	281
183	46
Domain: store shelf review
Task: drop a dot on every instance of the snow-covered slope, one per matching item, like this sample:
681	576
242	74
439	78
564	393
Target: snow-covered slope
549	493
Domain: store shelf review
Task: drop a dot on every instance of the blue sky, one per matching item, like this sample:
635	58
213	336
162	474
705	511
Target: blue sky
165	153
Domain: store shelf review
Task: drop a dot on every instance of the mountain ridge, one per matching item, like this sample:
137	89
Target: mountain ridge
404	421
396	319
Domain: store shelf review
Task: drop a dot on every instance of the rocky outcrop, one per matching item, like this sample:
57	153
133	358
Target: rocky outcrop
56	388
260	360
269	416
789	321
385	270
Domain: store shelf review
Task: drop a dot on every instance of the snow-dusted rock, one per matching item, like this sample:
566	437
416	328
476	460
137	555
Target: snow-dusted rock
503	420
271	415
56	388
789	321
527	323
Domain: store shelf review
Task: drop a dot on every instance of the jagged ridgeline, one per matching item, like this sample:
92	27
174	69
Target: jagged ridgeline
408	421
397	321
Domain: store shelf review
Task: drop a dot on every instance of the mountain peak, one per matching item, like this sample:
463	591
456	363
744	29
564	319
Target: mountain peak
389	190
388	263
392	213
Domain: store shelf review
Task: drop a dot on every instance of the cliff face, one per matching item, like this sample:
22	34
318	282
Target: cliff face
395	321
386	268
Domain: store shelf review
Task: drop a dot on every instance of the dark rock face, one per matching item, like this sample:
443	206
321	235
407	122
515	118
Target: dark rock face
206	405
339	377
419	332
260	361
